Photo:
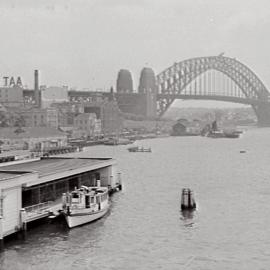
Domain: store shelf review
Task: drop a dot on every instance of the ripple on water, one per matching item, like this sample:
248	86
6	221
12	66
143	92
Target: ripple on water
145	228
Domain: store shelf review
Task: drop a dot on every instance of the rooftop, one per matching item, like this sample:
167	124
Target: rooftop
5	175
17	153
53	165
29	132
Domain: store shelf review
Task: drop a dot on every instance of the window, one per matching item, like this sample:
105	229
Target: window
60	188
75	195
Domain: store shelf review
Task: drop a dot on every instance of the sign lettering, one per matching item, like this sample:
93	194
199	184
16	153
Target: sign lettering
10	81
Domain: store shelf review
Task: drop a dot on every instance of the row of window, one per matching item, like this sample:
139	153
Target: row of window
53	191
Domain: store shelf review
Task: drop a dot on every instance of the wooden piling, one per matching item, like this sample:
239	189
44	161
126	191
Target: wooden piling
187	200
23	223
1	234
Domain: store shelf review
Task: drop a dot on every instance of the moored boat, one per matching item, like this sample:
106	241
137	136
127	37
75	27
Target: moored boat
117	141
216	134
139	149
232	135
85	205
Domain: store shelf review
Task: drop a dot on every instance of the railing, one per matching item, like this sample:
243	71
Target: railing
37	208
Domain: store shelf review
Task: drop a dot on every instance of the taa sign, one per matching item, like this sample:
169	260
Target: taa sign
10	81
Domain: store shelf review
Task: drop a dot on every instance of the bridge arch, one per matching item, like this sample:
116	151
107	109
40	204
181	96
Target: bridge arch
172	81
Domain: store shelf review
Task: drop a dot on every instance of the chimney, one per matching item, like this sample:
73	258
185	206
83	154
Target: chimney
36	89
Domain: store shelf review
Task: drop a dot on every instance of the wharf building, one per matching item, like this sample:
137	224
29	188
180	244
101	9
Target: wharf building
31	138
183	127
32	190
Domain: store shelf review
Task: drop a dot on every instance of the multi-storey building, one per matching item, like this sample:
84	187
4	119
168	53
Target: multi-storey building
109	114
67	111
36	117
88	125
12	96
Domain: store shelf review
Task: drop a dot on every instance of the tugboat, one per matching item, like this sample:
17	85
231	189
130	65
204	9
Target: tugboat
85	205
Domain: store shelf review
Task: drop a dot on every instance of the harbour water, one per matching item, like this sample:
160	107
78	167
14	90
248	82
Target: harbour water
145	228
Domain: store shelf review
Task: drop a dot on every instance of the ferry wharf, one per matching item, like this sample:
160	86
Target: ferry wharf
32	190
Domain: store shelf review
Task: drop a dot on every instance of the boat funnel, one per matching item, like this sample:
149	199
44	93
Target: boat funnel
98	183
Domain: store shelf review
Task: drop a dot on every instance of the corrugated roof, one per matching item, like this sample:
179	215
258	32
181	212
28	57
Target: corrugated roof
4	175
15	153
53	165
29	132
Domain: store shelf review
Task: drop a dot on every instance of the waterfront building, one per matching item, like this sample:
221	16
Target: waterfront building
124	83
31	138
109	114
67	111
36	117
30	191
87	125
185	127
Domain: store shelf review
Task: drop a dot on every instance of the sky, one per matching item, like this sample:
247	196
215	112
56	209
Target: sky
84	43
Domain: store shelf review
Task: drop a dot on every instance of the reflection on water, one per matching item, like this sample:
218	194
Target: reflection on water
187	214
145	228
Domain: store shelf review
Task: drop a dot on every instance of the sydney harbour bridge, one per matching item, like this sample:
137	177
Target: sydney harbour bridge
217	78
213	78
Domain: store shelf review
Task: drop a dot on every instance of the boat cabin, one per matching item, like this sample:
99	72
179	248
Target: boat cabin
85	197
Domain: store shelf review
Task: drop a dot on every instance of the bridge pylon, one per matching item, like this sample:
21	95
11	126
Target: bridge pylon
263	114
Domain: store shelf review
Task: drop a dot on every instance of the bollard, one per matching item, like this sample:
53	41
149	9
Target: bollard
23	223
1	234
119	181
187	200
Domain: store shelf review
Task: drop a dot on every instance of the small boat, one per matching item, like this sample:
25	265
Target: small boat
231	135
85	205
139	149
117	141
216	134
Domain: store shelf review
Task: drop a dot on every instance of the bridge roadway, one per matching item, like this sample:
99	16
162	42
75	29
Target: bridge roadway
215	97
